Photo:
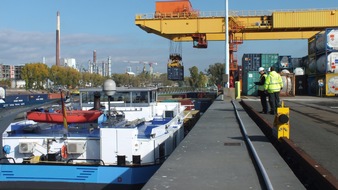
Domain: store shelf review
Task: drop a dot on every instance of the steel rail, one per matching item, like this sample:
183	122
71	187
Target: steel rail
253	151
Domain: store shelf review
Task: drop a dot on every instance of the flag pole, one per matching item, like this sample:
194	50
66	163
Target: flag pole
64	113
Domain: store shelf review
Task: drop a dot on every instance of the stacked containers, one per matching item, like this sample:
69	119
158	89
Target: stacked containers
249	79
301	85
323	62
288	84
296	62
284	62
327	51
312	85
332	84
269	60
310	65
250	64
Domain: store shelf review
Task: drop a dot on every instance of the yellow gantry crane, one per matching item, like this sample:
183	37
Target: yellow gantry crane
248	25
178	21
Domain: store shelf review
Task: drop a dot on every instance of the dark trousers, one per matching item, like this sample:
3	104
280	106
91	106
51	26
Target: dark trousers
264	103
274	101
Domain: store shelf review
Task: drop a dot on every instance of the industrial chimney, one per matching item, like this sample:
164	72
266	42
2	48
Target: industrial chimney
94	56
57	56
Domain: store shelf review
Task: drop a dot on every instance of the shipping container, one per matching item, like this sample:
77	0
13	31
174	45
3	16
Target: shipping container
284	62
55	96
202	104
249	78
17	98
251	62
305	60
175	73
312	45
327	40
311	67
174	9
296	62
179	95
301	85
173	6
288	84
312	85
299	71
240	72
331	87
268	60
38	98
327	63
324	85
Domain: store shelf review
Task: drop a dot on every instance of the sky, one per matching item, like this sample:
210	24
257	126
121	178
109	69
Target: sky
28	30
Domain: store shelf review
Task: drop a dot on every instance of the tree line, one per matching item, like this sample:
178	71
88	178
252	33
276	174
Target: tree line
39	77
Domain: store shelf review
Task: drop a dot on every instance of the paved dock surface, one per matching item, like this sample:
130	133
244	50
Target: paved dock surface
313	126
215	156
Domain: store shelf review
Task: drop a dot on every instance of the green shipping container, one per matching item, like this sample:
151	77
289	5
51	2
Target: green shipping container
249	79
268	60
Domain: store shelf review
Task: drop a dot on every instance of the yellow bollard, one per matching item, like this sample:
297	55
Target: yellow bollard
281	124
238	90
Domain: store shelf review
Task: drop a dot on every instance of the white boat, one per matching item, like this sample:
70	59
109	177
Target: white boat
122	151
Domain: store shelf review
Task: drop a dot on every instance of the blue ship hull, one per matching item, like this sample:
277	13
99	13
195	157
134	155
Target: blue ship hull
47	176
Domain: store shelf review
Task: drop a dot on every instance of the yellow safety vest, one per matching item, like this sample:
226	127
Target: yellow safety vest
273	82
261	87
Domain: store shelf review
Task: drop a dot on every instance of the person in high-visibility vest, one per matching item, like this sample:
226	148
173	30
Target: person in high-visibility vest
273	84
261	91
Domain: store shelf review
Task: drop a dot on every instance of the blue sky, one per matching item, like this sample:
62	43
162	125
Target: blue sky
27	32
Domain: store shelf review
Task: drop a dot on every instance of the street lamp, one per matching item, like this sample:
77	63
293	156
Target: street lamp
226	85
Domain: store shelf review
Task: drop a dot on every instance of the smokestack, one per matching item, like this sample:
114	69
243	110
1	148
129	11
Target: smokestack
57	39
94	56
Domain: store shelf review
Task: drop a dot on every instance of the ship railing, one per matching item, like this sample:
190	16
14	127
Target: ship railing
7	158
88	161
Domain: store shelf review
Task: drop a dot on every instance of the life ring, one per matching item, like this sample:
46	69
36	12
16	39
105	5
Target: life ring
64	153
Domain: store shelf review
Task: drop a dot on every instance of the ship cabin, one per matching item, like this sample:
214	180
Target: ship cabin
123	97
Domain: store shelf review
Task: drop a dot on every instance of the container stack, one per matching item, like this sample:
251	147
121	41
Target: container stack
322	63
250	74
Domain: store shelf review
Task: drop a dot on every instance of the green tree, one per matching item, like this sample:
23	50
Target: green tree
72	77
163	79
85	79
5	83
215	73
35	75
193	76
120	79
96	80
202	80
56	74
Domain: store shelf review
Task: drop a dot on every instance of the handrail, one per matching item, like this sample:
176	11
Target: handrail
234	13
